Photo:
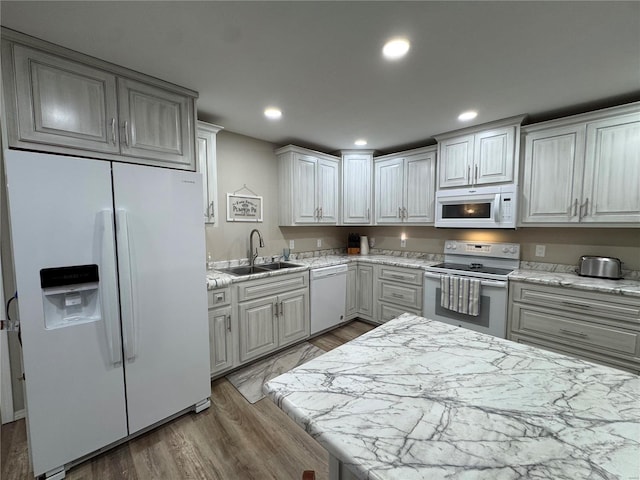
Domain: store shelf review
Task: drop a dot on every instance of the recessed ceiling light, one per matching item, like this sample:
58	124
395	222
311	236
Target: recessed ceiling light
466	116
273	113
395	48
361	142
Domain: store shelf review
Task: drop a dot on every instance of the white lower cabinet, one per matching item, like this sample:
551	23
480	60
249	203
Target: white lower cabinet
258	327
365	292
272	313
293	317
601	327
221	340
398	291
222	331
351	307
360	292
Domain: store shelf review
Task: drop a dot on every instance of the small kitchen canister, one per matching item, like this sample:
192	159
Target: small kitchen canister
364	245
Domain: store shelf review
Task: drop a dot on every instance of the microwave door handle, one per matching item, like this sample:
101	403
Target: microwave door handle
496	208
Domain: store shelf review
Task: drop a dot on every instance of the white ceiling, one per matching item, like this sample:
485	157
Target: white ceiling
321	63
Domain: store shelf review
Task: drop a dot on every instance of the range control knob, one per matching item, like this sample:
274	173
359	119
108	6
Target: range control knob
505	249
514	249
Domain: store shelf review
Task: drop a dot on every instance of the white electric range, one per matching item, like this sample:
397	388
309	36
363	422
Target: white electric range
489	262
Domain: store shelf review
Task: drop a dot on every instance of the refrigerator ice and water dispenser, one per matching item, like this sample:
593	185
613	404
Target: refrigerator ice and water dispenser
70	295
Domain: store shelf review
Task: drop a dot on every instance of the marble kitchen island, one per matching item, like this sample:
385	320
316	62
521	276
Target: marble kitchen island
419	399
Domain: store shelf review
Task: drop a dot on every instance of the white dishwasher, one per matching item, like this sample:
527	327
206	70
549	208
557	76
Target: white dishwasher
328	297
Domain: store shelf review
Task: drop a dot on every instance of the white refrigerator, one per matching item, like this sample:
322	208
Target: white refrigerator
110	274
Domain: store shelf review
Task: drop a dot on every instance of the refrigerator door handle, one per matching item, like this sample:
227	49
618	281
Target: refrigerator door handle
127	284
107	293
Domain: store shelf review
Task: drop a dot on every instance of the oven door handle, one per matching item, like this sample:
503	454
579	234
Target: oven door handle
484	283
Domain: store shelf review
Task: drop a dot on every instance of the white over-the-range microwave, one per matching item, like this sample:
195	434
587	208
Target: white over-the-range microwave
479	207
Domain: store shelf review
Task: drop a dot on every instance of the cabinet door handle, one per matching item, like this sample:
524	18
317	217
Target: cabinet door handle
281	308
404	213
368	214
397	276
584	208
210	210
397	295
320	213
113	130
229	322
126	132
575	334
400	212
468	173
275	307
575	207
476	175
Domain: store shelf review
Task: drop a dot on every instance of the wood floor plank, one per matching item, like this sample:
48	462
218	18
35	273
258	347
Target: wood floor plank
231	440
16	464
341	335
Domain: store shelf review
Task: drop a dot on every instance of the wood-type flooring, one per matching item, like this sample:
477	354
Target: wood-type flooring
232	440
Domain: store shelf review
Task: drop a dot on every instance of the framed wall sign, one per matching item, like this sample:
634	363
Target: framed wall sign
244	208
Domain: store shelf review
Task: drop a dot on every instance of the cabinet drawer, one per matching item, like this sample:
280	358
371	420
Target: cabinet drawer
404	295
405	275
589	303
272	286
387	312
219	297
574	331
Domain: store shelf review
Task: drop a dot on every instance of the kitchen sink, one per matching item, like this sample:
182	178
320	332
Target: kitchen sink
278	265
243	270
261	268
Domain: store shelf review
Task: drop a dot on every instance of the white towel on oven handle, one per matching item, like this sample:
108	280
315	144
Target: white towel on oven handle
460	294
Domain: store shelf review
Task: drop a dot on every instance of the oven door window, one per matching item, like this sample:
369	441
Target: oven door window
482	319
467	210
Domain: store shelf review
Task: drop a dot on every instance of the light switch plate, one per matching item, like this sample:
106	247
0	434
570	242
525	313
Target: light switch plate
291	244
319	243
540	250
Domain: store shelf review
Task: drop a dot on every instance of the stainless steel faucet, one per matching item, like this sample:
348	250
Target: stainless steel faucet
252	256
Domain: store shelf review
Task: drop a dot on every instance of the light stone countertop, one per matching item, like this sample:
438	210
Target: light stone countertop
625	287
539	274
216	279
420	399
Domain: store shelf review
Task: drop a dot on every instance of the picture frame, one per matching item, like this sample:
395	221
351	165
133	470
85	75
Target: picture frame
244	208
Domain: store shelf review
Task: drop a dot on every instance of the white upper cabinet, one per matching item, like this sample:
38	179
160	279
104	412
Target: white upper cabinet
583	169
611	189
308	186
405	187
357	167
552	176
62	101
480	155
207	165
156	124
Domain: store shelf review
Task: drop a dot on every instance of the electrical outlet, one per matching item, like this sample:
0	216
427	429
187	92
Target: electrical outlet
319	243
403	243
540	250
372	242
291	244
